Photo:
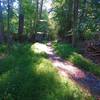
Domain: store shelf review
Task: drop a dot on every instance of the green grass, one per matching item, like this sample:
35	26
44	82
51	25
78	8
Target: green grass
67	52
26	75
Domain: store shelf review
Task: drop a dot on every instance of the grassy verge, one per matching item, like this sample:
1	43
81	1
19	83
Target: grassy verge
67	52
26	75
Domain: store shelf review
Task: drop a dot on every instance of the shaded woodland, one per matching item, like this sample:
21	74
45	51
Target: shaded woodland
67	20
73	29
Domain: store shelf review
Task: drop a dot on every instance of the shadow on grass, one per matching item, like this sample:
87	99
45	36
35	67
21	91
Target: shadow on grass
67	52
85	64
25	75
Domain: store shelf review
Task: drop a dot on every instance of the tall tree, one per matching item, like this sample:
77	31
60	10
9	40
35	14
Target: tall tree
41	7
9	37
75	22
1	23
8	20
69	16
21	21
37	16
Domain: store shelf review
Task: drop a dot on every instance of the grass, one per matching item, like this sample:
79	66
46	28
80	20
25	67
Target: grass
71	54
26	75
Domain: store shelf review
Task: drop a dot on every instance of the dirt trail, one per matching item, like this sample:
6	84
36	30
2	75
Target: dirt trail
81	77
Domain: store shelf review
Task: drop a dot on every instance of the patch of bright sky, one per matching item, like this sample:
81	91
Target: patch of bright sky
47	5
15	4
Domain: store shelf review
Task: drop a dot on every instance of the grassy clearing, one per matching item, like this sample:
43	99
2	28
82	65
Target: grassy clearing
67	52
26	75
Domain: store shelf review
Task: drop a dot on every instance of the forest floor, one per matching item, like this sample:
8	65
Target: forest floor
27	75
27	72
83	78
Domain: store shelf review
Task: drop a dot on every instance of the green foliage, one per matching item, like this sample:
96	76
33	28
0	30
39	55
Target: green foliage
3	48
59	17
64	50
72	54
84	63
29	10
27	75
90	21
52	30
88	17
89	35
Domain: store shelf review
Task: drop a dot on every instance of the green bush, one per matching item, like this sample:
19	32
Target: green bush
72	54
84	63
89	35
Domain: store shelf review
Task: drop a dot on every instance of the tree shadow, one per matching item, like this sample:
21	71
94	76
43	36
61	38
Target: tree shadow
73	55
79	64
29	76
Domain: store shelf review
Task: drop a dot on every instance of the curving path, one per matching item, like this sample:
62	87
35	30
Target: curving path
84	79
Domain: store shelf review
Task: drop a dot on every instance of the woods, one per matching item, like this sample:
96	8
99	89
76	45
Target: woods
21	19
49	49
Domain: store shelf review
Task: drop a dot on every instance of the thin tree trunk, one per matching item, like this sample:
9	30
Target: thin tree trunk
21	21
9	37
21	26
75	23
41	7
36	19
1	24
70	14
8	22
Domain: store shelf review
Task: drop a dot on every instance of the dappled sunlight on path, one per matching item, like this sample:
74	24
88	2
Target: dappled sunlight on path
67	69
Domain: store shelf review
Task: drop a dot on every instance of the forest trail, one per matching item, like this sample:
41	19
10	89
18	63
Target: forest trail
84	79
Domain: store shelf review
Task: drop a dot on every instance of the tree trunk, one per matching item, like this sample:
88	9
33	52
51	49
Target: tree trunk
41	7
75	23
36	19
9	37
21	22
70	14
21	26
1	24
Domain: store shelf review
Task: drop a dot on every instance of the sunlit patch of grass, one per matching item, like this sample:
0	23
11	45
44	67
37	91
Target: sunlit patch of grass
61	88
44	63
72	54
84	63
27	75
64	50
39	48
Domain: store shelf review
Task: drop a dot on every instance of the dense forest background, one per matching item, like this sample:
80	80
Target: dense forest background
67	20
49	49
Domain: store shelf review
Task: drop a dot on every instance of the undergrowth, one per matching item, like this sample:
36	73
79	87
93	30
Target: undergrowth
71	54
26	75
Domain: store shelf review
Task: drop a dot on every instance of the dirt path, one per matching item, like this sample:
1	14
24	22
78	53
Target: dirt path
84	79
